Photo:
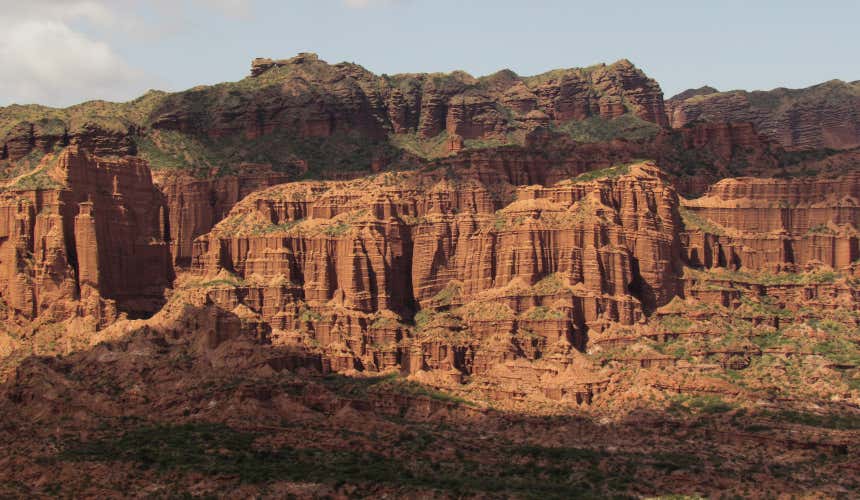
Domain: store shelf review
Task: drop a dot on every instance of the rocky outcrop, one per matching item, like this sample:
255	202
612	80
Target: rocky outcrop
95	245
315	99
457	272
46	135
194	206
346	263
483	252
775	223
822	116
724	140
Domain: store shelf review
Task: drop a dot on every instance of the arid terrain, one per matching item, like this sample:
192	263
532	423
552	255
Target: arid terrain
322	282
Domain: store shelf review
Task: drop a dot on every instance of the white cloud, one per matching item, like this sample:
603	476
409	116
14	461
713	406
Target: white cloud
232	8
94	11
364	4
56	52
49	63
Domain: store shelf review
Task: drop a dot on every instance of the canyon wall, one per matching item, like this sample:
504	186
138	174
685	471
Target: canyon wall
475	222
822	116
776	224
350	263
428	104
194	206
94	245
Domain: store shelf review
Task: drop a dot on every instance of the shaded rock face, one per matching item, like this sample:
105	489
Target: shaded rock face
28	137
347	261
822	116
702	153
776	224
723	140
508	282
316	99
93	247
695	156
194	206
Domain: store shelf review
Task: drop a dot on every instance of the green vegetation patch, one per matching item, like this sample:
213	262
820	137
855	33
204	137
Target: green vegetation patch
37	180
766	306
604	173
597	129
447	295
675	324
510	139
412	142
283	149
337	229
401	386
173	150
279	228
542	313
216	449
826	421
225	279
692	220
767	278
702	404
486	311
820	229
306	314
549	285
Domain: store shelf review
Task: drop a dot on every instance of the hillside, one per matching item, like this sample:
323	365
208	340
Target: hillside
320	282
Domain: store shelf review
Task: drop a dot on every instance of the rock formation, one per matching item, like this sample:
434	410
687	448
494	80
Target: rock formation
776	224
194	206
280	286
822	116
95	243
426	104
345	262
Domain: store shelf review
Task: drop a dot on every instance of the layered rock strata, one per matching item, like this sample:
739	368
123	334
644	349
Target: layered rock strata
194	206
822	116
92	244
775	224
347	265
429	104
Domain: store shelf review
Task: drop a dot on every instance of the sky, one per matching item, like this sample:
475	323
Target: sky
61	52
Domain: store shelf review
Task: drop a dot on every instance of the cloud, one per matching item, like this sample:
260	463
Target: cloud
47	62
57	52
231	8
364	4
94	11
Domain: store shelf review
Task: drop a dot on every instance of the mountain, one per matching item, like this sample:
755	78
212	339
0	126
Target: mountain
824	116
317	281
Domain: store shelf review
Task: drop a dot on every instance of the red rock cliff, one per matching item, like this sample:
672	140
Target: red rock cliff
98	237
776	223
347	259
823	116
315	99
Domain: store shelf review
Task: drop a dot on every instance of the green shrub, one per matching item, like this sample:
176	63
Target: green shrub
692	220
544	313
446	296
604	173
597	129
675	324
337	229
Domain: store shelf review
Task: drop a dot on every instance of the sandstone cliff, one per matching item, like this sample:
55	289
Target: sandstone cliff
349	264
775	224
89	239
822	116
361	257
328	117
